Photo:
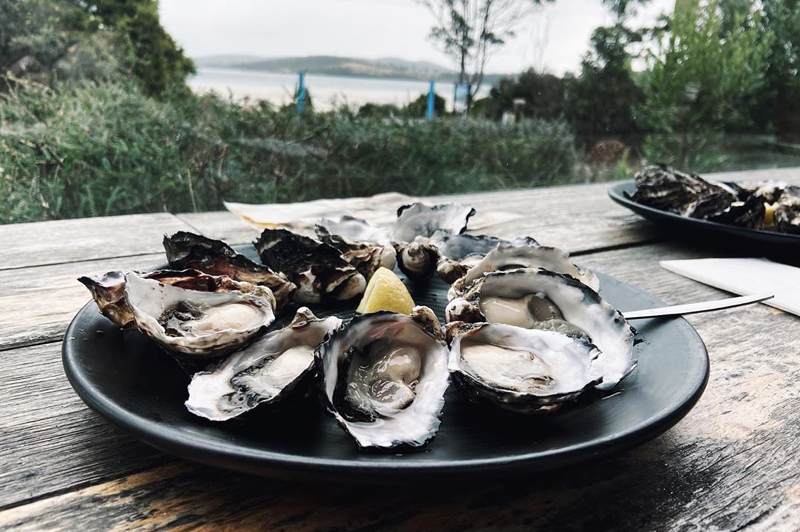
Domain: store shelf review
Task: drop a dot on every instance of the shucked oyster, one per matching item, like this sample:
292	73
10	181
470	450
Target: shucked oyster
264	372
419	227
362	245
541	299
384	376
199	321
188	250
523	370
108	290
318	269
524	255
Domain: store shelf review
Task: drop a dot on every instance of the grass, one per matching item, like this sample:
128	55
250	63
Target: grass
99	149
105	149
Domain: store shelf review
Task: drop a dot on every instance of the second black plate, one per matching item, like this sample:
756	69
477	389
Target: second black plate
693	227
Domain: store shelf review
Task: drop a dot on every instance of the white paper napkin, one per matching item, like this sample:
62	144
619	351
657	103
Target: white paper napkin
745	277
380	209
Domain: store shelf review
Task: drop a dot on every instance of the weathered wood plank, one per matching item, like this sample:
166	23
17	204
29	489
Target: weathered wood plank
732	463
50	439
37	304
579	218
58	242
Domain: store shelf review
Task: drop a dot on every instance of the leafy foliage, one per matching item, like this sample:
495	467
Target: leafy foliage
47	36
470	30
543	95
602	99
95	149
702	79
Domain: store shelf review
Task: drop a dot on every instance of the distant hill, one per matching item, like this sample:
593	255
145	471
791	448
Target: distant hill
387	67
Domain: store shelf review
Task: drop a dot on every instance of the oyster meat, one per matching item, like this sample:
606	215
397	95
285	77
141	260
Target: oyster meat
318	269
214	257
384	376
201	321
264	373
522	370
541	299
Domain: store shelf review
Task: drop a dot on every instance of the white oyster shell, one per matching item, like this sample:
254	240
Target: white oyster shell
225	320
264	372
524	255
577	304
418	421
523	370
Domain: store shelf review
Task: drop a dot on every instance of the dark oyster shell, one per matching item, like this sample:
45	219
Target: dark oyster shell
214	257
108	290
768	205
318	269
352	237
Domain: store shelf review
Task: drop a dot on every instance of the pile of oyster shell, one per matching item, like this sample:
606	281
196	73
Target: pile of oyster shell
765	205
526	329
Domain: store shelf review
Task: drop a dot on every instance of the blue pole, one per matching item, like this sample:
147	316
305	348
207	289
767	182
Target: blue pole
301	92
431	101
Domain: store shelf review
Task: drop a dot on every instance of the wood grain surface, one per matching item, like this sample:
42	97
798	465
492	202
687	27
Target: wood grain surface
59	242
37	304
731	464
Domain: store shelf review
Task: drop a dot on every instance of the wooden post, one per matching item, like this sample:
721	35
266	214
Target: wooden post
431	101
301	92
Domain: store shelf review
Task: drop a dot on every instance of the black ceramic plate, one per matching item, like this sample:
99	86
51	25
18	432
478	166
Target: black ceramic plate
696	227
123	376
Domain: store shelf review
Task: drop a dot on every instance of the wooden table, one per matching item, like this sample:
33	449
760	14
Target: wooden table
732	464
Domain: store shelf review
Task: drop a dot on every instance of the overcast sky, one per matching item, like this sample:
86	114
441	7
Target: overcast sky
376	28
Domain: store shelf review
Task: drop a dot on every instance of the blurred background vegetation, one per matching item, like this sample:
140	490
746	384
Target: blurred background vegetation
96	117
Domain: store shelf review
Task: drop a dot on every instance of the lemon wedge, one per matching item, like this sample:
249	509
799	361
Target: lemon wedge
386	291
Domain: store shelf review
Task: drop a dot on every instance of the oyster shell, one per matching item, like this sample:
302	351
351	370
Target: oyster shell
318	269
263	373
786	211
459	252
384	376
108	290
669	189
214	317
189	250
522	370
543	299
353	238
351	229
417	230
523	255
420	220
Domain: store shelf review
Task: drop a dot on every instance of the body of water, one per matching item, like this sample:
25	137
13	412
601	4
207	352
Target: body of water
326	91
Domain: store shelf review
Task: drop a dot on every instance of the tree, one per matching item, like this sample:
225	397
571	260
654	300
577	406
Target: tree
601	100
781	94
703	79
543	95
44	32
470	30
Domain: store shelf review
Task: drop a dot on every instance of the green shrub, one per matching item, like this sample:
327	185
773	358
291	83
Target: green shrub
97	149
